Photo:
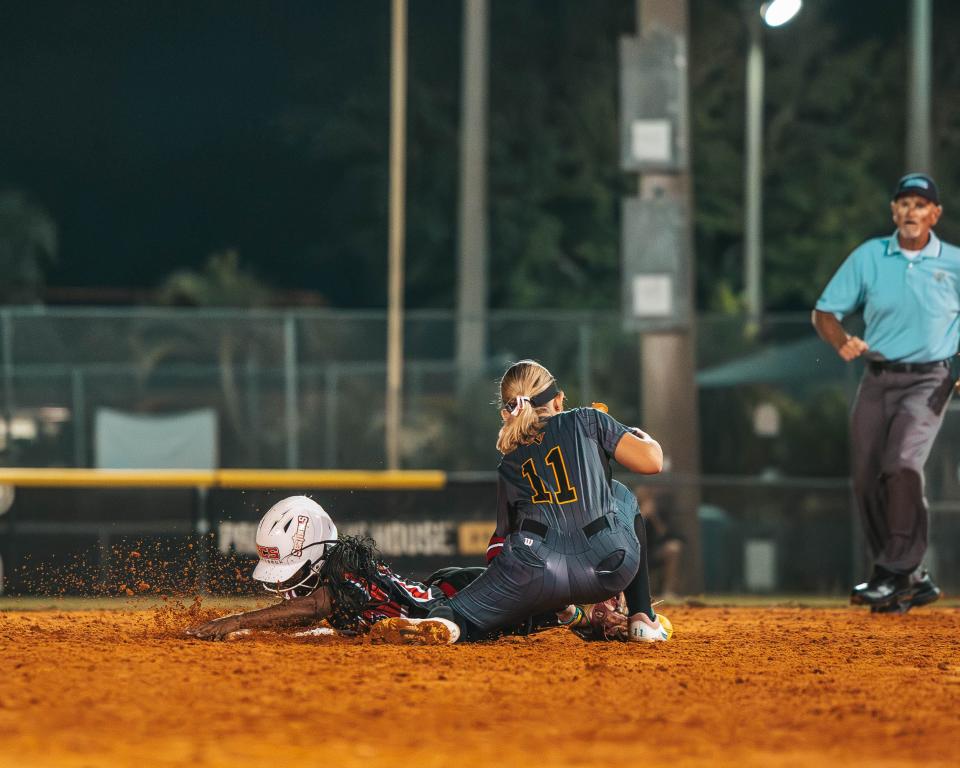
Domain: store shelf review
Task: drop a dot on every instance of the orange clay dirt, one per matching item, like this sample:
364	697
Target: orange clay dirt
739	686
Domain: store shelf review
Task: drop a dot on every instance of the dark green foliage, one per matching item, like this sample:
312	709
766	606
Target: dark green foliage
555	184
339	118
28	246
222	282
554	181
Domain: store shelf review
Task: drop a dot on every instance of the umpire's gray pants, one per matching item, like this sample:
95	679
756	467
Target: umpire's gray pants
535	574
894	421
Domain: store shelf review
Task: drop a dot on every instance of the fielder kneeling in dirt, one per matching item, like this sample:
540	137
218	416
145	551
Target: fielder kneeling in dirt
571	534
342	580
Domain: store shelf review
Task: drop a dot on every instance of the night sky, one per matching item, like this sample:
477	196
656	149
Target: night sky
155	133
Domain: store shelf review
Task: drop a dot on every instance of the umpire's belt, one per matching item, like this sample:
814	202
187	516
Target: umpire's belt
879	366
540	529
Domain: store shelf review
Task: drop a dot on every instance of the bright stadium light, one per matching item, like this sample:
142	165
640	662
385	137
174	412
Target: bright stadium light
778	12
775	13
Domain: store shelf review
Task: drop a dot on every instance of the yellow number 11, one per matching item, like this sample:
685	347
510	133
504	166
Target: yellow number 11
541	495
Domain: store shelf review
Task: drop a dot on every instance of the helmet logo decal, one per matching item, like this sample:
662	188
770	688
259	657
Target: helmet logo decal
301	535
268	553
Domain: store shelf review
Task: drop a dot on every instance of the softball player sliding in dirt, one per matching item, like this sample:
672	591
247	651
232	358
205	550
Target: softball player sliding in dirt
321	576
571	534
340	579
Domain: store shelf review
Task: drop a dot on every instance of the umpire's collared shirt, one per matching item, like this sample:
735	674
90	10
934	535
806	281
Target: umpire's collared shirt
911	307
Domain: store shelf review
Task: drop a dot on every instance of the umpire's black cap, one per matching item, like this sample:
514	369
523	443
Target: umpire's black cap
917	184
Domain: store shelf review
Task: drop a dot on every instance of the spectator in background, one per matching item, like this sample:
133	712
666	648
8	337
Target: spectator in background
665	544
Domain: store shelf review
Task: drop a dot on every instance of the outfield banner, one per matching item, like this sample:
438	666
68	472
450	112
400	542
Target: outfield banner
204	539
416	531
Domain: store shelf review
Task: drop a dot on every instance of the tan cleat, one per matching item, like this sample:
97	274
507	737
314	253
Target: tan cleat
415	632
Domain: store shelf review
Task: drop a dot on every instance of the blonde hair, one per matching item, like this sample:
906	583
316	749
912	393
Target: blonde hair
522	381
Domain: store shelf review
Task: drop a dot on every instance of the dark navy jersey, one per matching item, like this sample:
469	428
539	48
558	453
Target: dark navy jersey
563	478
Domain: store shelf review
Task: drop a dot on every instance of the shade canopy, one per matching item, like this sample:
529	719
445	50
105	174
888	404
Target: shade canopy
794	361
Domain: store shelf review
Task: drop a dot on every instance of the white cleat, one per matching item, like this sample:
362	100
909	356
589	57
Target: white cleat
643	630
399	631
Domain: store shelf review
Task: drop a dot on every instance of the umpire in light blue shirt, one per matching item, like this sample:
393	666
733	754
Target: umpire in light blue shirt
908	286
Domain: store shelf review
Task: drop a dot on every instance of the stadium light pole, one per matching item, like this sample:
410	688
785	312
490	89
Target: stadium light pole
920	60
773	14
398	138
472	236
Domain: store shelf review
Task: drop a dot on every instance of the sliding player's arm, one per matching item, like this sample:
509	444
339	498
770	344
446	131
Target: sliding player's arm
297	612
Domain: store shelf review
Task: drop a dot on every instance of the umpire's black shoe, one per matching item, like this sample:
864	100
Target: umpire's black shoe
921	590
881	588
925	591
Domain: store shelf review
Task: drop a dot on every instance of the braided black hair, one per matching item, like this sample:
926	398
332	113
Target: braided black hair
351	559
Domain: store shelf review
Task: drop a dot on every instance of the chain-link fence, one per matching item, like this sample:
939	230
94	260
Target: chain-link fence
290	389
306	388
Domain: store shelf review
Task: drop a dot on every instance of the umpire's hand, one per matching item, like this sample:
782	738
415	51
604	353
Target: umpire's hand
852	348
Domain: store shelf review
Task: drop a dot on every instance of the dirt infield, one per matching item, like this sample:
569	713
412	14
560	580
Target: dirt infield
737	686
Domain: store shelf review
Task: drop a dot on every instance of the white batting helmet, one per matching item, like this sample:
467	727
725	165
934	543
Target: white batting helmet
292	541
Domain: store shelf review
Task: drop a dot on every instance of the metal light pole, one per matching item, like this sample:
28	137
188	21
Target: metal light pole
472	275
398	122
753	172
918	90
774	14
